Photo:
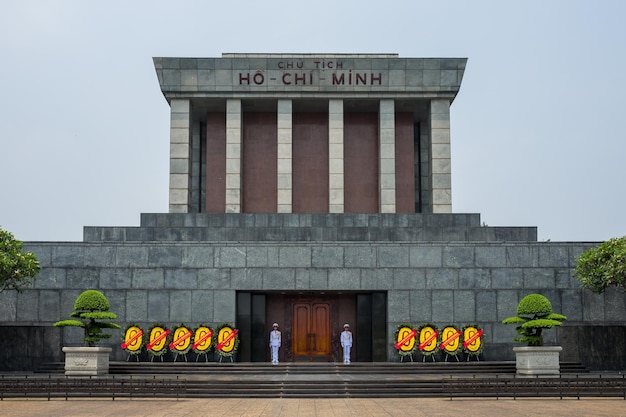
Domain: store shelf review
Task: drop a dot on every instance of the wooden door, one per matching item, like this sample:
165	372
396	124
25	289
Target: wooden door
311	331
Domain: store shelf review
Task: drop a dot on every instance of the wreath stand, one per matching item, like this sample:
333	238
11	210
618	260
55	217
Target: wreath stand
231	358
160	356
448	355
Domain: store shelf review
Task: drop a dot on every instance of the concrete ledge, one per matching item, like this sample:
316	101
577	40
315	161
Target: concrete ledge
181	227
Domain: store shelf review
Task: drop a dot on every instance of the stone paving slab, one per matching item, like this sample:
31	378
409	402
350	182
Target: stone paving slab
315	407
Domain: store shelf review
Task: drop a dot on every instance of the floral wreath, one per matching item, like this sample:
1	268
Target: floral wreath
451	340
162	350
199	343
409	346
218	348
422	342
180	339
477	338
129	344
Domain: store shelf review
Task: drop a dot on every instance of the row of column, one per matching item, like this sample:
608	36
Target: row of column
438	125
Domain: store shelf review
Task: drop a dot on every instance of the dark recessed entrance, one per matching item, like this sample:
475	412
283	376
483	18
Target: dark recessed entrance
311	325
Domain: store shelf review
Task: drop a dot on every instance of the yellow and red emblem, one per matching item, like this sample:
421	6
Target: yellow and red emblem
227	340
405	339
157	340
472	340
181	340
202	339
133	339
450	340
428	337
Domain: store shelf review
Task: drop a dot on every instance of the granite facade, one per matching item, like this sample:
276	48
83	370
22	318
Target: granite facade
296	73
194	281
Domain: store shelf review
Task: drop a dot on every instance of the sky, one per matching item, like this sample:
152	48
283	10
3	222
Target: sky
537	129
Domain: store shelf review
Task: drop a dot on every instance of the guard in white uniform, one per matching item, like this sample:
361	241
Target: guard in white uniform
275	342
346	342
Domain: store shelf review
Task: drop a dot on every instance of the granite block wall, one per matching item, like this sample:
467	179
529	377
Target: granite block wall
196	282
184	227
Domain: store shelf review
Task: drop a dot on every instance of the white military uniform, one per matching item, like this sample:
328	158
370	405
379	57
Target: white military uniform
346	342
275	342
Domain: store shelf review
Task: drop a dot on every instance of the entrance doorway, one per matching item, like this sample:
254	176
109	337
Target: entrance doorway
311	331
311	325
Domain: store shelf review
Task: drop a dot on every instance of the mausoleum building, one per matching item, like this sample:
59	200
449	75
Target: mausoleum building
312	190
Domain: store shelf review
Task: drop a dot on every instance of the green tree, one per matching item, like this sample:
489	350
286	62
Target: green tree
17	268
603	266
90	307
534	313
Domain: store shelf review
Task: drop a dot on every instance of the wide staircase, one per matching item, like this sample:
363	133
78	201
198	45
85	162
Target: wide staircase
312	380
301	380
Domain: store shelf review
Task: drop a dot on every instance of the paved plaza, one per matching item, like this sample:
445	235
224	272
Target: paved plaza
253	407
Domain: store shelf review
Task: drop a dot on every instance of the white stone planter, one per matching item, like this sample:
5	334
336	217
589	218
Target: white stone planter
85	361
537	360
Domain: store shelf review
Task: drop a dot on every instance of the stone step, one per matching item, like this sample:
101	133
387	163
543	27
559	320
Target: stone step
58	386
325	220
260	227
252	369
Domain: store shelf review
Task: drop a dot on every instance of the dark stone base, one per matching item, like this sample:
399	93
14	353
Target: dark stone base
596	347
26	348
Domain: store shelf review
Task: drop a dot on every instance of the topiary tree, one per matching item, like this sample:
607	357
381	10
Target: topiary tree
17	268
534	313
603	266
90	307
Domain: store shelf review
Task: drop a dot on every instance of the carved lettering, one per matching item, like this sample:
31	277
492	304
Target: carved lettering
290	64
357	78
243	78
300	79
328	64
258	78
338	79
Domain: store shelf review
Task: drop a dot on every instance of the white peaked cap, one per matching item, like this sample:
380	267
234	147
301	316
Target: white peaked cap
275	324
346	325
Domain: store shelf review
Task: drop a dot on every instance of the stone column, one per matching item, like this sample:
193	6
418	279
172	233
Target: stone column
285	157
180	155
387	157
196	195
233	156
423	195
441	178
335	157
